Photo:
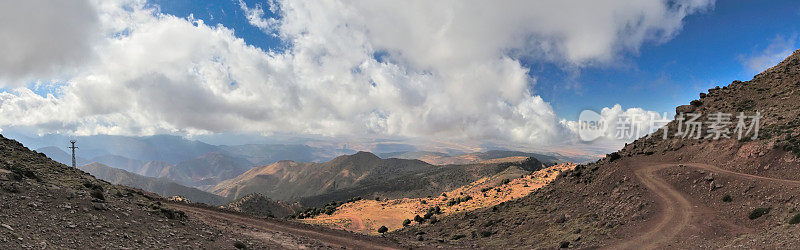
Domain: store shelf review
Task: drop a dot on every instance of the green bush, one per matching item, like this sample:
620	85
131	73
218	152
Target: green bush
795	219
18	172
239	245
382	230
506	181
418	219
97	194
758	212
406	222
613	157
727	198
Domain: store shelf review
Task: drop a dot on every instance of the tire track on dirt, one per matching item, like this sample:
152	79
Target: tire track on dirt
335	239
676	209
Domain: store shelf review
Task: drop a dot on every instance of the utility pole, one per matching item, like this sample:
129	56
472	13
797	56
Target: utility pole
73	147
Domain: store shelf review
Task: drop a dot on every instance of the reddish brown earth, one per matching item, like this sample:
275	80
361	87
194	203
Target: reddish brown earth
640	196
283	234
366	216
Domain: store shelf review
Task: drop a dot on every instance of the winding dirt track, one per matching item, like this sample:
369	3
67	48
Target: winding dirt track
676	209
283	234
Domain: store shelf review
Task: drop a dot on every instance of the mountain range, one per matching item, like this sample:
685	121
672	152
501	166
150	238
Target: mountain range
159	186
665	191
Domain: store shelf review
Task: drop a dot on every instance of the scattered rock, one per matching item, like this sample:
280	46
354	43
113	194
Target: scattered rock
100	206
7	227
715	185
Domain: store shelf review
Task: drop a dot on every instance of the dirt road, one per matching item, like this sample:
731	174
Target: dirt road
676	210
284	234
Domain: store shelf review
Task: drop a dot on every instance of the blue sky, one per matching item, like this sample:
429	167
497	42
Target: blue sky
434	74
708	51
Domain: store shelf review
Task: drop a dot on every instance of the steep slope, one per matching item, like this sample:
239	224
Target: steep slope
288	180
429	182
366	216
153	168
45	204
59	155
119	162
665	193
259	205
159	186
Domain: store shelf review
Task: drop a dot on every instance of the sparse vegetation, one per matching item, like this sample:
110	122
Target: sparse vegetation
328	209
406	222
506	181
418	219
727	198
795	219
383	230
172	214
18	172
744	105
456	201
239	245
758	212
613	157
97	194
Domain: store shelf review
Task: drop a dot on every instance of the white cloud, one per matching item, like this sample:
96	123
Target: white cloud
451	70
44	38
778	49
255	16
625	125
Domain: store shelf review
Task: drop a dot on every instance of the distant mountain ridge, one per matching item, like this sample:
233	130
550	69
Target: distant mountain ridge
438	158
161	187
287	180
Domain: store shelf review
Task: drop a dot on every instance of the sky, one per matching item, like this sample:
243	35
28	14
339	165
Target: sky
467	74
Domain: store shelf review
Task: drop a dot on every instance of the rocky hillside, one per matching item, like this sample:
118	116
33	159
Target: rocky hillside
437	158
259	205
161	187
679	192
288	180
431	182
45	204
368	215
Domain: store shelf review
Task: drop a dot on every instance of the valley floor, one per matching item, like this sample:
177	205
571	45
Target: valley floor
283	234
